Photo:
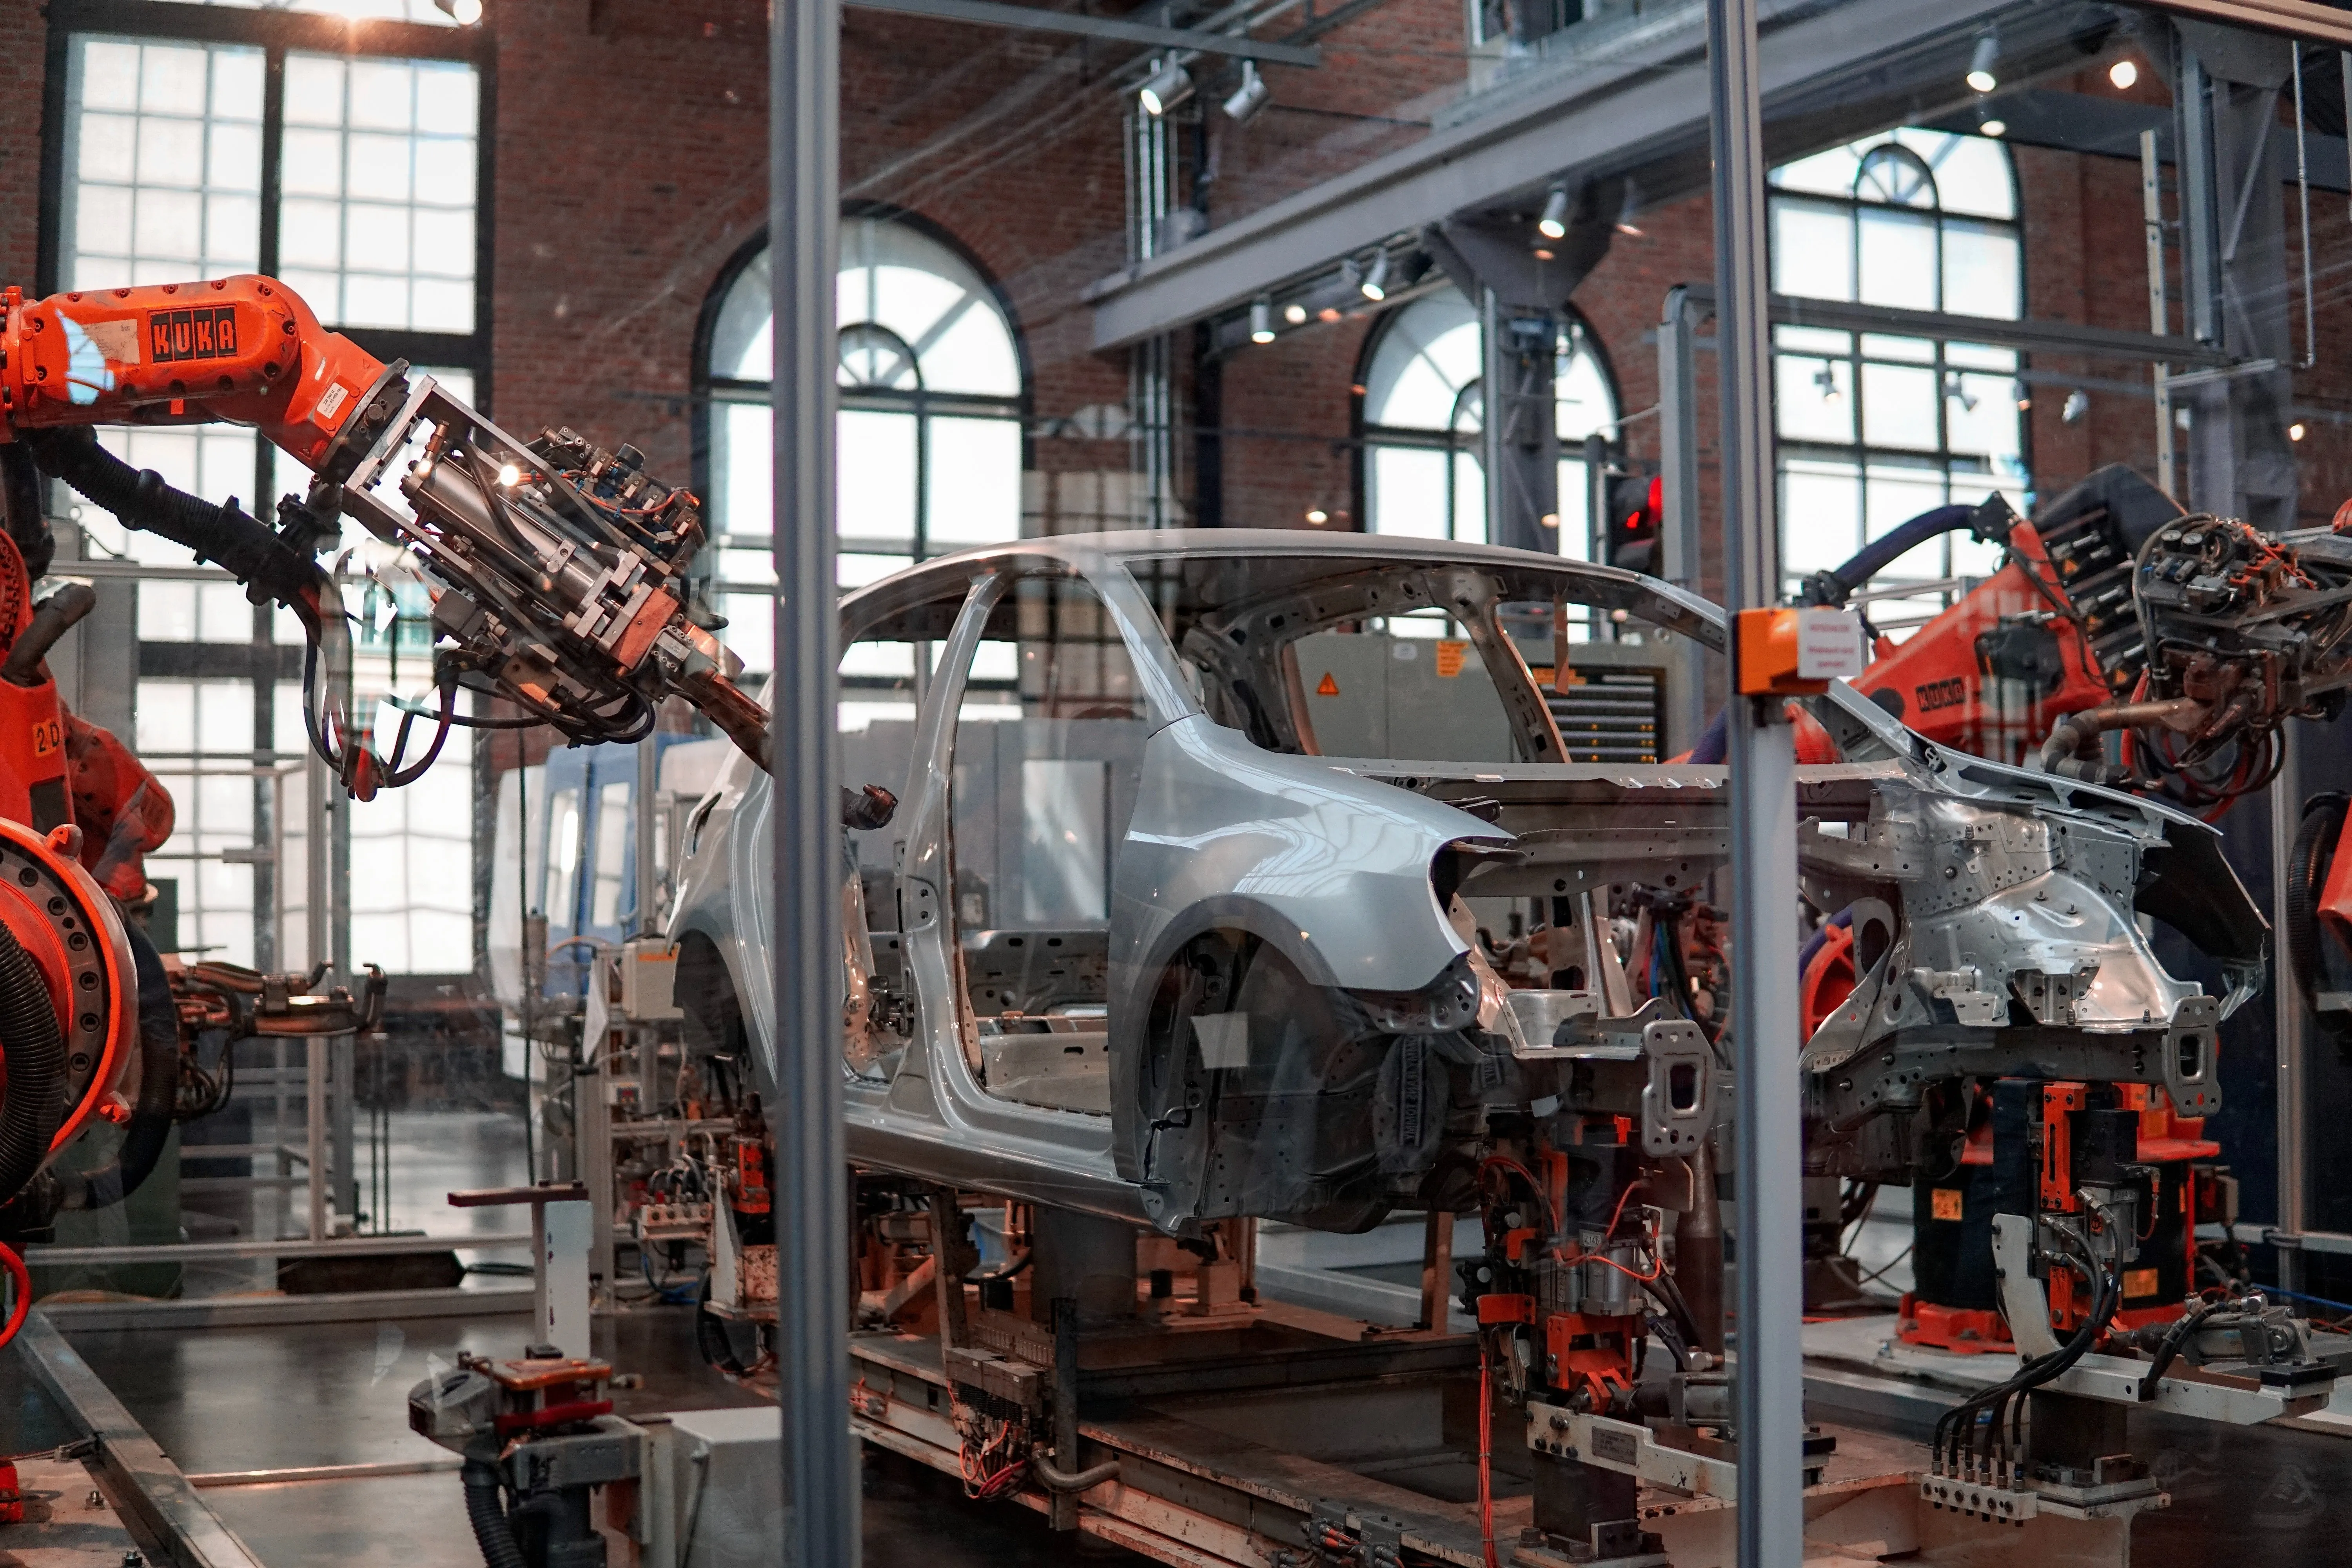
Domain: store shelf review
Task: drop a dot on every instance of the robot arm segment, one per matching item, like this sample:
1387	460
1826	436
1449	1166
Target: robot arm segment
559	568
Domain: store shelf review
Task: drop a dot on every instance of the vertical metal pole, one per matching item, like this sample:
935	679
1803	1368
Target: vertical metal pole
1770	1384
2151	198
342	1154
314	1057
2286	816
646	903
820	1458
1679	493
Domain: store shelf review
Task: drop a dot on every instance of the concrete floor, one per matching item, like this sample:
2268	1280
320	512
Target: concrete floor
335	1394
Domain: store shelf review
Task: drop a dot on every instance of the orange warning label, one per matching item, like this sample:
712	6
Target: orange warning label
1449	658
1946	1202
1328	688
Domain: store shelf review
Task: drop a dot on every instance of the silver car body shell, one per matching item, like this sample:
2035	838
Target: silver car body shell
1327	861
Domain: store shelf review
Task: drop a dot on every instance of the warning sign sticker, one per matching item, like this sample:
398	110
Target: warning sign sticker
1327	686
1449	658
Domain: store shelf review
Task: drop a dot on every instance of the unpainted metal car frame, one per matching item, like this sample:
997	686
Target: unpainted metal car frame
2002	916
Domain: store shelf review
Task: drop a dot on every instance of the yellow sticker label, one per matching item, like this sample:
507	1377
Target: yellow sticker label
1945	1201
1449	658
2139	1282
48	736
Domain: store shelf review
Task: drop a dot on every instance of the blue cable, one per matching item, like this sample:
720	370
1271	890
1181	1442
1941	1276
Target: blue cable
2299	1296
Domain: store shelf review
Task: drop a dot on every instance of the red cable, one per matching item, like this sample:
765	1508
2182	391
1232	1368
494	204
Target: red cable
1486	1455
24	1281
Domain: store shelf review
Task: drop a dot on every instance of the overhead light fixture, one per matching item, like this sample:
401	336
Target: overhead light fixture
1248	98
1171	85
1981	77
464	13
1553	223
2124	74
1295	313
1375	286
1262	320
1629	209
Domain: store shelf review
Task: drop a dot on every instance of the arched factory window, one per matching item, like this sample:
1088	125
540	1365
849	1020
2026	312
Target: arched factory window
932	387
1422	415
1877	428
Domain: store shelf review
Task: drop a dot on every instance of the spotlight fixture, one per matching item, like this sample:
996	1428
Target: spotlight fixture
2124	74
1981	77
1262	320
1629	209
1295	313
1171	85
1248	98
1375	286
464	13
1553	223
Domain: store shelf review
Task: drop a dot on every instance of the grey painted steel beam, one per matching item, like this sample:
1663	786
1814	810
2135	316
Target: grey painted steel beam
819	1456
987	14
1603	118
2324	24
1769	1387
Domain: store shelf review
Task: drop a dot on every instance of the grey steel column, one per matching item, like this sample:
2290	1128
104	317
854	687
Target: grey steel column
1678	544
820	1458
2286	816
1769	1385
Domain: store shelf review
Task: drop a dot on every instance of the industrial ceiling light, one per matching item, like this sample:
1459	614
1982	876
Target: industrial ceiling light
1375	286
1262	320
2124	74
464	13
1171	85
1553	223
1248	98
1981	77
1629	209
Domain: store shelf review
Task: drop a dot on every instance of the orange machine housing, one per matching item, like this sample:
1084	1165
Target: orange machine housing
242	349
1938	680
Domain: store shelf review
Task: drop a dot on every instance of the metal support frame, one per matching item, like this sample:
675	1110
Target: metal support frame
811	1201
1770	1386
2286	1010
985	13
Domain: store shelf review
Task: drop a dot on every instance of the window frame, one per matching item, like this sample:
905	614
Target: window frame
708	391
279	34
263	662
1577	336
1939	462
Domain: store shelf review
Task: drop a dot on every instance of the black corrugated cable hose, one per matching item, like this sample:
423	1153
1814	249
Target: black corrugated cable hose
35	1052
159	1092
246	549
493	1532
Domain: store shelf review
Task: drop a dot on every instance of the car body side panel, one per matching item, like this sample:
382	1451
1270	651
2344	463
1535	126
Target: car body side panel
1331	868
